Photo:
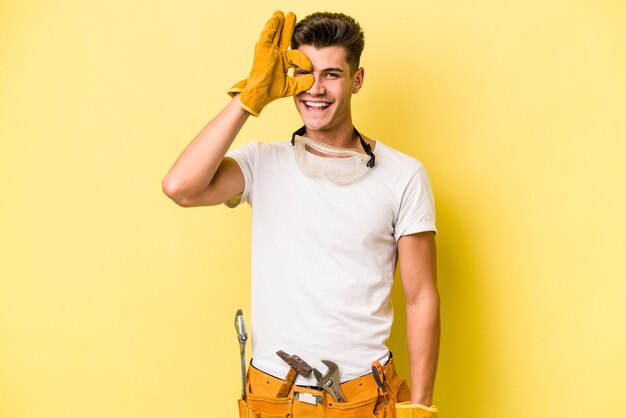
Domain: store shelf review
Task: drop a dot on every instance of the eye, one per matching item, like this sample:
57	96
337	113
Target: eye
301	72
331	75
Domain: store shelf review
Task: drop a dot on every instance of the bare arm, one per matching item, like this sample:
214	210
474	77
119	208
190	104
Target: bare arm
418	271
201	176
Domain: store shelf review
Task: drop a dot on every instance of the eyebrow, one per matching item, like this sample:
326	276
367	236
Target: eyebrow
332	69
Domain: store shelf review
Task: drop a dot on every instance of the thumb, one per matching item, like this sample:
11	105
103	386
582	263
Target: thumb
296	85
299	59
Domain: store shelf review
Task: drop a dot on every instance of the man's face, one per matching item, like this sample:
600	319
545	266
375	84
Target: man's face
326	105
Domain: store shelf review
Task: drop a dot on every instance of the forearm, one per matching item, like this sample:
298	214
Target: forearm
194	169
423	333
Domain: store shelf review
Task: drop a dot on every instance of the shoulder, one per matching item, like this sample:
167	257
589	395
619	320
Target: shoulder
269	147
262	149
275	146
396	161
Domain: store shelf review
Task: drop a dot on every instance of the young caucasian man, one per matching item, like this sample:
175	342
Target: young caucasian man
333	211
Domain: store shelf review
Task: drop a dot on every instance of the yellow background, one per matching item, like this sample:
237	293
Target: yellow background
114	302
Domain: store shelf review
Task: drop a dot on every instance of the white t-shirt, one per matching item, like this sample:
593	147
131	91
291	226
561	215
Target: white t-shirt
323	255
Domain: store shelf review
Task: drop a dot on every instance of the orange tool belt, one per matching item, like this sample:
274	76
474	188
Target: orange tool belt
362	398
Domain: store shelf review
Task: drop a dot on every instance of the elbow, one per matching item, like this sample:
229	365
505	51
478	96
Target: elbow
425	300
175	191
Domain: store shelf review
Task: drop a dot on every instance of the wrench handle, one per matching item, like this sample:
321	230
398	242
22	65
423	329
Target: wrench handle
332	387
242	337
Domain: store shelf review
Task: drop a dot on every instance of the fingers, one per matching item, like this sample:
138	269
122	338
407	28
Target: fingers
299	59
279	30
287	32
273	28
296	85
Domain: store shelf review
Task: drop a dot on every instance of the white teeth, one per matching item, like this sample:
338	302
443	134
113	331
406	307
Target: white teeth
318	105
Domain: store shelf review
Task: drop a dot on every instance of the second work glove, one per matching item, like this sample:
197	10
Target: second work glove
409	410
268	79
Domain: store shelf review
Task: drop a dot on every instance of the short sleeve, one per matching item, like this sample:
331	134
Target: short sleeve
246	157
417	207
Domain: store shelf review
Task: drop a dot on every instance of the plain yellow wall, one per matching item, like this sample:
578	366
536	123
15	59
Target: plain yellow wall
114	302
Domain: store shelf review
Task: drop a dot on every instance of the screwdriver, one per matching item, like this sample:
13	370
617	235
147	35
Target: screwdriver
379	377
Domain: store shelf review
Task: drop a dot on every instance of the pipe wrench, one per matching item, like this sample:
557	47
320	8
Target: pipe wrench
330	381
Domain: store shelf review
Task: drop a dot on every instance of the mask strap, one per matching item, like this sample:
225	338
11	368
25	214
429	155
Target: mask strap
299	132
368	150
367	147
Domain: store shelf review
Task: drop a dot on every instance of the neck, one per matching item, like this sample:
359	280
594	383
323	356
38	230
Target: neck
342	137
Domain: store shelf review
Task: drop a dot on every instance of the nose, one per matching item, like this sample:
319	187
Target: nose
317	89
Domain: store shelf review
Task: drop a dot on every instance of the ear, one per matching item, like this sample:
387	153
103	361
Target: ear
357	80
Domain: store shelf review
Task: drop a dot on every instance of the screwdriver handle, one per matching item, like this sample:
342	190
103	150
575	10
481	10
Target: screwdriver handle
379	377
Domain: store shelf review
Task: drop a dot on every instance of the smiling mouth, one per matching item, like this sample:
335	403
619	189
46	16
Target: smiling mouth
316	105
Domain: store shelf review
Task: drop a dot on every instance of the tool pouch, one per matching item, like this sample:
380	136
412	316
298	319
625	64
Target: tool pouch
261	400
258	407
398	391
361	393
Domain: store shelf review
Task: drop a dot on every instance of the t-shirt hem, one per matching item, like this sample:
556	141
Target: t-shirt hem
416	229
243	196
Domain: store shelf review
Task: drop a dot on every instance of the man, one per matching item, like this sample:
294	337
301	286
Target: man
333	210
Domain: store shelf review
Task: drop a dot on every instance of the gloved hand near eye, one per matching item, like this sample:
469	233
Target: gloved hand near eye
409	410
268	79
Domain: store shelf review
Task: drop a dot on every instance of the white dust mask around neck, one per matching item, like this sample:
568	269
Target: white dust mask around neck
340	165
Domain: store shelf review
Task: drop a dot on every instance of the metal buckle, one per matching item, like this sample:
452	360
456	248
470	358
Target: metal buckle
307	398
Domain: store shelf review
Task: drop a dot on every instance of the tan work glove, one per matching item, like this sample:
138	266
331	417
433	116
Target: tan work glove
268	79
409	410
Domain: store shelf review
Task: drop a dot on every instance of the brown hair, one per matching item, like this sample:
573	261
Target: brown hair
331	29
